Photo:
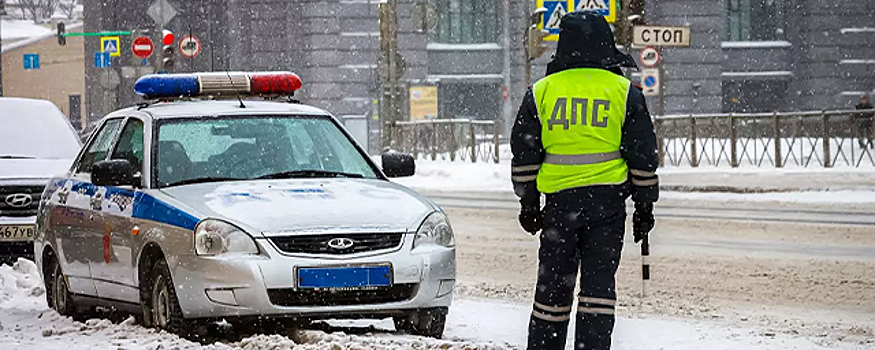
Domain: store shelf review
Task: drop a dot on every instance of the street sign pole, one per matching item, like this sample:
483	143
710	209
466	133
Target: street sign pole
661	109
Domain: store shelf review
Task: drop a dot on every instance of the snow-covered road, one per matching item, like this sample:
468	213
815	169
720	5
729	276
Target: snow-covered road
26	323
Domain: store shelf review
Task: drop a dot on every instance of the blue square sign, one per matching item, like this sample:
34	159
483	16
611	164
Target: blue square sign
102	59
31	61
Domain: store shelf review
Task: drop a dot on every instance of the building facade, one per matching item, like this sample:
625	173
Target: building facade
767	55
746	55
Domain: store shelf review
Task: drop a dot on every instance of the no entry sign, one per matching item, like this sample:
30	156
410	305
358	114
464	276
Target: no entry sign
142	47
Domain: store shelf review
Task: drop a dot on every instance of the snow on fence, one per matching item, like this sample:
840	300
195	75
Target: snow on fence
799	139
448	139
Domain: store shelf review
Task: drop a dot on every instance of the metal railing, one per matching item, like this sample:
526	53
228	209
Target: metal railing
804	139
448	139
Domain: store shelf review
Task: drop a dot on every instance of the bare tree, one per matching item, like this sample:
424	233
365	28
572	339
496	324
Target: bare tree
39	9
68	7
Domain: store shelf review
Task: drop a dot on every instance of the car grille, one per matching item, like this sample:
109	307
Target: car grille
35	193
318	244
341	297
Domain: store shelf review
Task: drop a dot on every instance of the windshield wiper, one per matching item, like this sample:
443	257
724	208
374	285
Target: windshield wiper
308	174
202	180
15	156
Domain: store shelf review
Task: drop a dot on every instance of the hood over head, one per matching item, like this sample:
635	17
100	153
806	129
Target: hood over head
586	41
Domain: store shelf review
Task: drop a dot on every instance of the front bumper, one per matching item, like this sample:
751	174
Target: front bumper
212	287
10	251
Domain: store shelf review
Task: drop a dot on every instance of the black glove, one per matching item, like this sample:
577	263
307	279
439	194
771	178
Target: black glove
531	219
642	221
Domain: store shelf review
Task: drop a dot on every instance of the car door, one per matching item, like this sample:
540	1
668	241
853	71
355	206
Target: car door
113	275
73	217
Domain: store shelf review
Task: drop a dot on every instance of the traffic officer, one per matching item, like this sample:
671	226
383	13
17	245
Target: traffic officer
584	138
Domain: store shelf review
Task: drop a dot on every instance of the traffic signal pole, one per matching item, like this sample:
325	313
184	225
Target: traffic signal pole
390	102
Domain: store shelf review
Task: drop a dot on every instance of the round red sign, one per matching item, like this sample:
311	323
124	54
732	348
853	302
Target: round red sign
142	47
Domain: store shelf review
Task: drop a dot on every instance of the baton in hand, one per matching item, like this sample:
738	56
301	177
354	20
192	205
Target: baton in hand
645	264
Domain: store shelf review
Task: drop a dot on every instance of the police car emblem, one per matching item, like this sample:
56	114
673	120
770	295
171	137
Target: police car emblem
341	243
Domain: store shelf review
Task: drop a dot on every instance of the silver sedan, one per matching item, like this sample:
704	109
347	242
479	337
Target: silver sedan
193	211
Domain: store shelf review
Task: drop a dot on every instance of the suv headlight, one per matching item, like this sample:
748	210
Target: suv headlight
435	230
213	237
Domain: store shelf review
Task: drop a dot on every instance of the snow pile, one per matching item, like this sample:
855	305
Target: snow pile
21	285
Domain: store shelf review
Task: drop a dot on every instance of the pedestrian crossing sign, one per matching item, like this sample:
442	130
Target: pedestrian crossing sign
110	44
550	19
607	8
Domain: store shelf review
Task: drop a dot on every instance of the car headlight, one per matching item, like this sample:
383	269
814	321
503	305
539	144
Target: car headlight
213	237
435	230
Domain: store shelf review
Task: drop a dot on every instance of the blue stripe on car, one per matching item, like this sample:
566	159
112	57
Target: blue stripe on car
147	207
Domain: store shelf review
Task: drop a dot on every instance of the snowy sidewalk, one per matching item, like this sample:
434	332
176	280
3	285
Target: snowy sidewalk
745	184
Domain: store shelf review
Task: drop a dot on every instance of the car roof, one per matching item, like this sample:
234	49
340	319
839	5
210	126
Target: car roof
207	108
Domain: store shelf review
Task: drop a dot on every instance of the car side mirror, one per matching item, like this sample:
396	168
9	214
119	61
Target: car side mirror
396	164
113	172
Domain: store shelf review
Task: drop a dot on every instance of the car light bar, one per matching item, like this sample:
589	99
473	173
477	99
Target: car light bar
217	84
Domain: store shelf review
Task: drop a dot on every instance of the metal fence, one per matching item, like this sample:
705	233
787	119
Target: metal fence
448	139
804	139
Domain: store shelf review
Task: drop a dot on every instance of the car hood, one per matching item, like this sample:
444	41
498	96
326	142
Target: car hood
279	207
33	168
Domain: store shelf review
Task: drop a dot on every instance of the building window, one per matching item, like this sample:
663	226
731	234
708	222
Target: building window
755	20
466	21
754	96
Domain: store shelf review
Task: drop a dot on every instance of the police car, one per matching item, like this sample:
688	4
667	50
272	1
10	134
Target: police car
189	210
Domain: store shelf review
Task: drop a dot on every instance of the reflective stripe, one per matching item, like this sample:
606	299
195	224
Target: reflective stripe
549	318
529	178
600	301
642	173
581	159
596	310
565	309
651	182
523	168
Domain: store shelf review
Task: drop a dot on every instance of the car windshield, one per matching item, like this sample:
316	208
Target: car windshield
254	147
32	129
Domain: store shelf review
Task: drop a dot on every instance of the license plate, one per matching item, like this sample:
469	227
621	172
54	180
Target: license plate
16	232
345	277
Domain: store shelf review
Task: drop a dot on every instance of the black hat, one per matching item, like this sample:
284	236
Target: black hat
586	40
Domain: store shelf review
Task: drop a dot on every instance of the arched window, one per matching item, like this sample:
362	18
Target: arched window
466	21
755	20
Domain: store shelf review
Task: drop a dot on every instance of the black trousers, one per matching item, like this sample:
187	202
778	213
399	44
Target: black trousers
864	133
582	236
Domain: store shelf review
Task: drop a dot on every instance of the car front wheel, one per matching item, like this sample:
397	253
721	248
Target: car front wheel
425	322
161	306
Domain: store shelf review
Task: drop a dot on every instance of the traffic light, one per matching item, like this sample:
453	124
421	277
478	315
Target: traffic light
167	53
536	42
62	31
167	61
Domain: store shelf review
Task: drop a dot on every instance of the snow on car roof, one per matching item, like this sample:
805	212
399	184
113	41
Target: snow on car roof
196	108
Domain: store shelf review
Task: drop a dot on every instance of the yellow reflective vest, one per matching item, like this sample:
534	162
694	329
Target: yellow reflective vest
582	112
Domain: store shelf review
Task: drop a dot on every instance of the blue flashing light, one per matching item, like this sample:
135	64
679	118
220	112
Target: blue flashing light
167	85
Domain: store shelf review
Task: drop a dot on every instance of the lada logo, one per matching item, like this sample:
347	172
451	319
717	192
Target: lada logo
340	243
19	200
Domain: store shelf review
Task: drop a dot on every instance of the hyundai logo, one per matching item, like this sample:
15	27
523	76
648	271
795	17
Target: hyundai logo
19	200
340	243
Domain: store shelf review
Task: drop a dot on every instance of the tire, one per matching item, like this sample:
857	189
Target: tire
159	302
425	322
58	293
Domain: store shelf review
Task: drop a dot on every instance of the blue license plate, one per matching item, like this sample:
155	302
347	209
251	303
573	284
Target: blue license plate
345	277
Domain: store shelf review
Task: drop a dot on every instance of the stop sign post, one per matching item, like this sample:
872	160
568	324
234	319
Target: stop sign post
142	47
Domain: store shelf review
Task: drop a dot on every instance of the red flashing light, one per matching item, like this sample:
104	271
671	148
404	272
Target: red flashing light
168	37
275	83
